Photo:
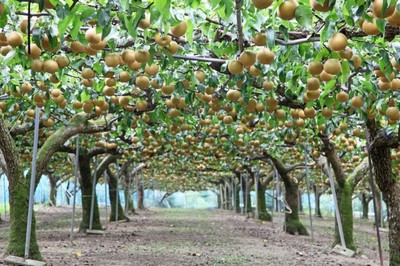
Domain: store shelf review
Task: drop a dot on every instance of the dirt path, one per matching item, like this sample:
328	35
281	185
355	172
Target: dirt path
193	237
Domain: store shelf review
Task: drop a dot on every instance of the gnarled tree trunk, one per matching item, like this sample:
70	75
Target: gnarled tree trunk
380	150
293	224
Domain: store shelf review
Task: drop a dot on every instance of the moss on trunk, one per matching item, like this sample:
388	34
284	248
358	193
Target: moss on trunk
113	199
263	213
292	221
18	199
344	197
19	204
128	200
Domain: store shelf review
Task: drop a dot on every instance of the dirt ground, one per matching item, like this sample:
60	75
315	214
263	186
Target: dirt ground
194	237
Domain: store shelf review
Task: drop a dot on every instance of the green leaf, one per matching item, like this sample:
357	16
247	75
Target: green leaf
103	17
160	4
3	20
381	23
63	24
270	34
328	30
10	55
189	32
304	16
62	11
345	71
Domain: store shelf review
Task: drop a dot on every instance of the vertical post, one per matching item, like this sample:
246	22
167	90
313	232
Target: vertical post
246	180
106	195
117	194
226	195
241	194
137	189
142	175
93	193
74	188
257	178
381	203
128	193
278	195
371	183
233	189
273	205
221	196
338	218
154	189
32	183
4	194
308	193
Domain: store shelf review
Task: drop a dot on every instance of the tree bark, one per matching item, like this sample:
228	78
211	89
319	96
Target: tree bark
246	195
140	192
344	194
53	189
263	213
128	200
380	149
87	186
18	198
293	224
365	199
317	201
301	210
112	182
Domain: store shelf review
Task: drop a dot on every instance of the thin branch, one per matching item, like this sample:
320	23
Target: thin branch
238	6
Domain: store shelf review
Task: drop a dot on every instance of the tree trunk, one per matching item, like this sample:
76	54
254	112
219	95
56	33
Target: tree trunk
227	196
344	194
380	151
317	201
87	187
128	200
53	190
365	202
292	221
237	198
19	204
246	196
378	207
263	213
112	182
140	191
18	198
344	197
301	210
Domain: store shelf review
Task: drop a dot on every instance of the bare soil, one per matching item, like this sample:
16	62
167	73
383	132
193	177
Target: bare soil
194	237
